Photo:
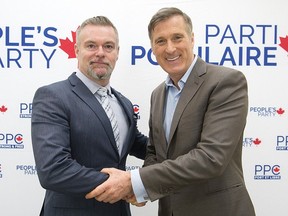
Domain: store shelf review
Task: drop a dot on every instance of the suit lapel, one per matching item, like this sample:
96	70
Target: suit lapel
158	111
192	85
85	94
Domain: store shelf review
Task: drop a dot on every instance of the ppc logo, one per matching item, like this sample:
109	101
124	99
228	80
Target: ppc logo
267	172
136	111
12	141
282	143
25	110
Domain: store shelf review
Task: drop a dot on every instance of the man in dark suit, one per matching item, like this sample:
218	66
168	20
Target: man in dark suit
72	136
197	118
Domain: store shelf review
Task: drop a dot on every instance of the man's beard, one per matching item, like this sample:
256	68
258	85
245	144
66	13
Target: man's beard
96	76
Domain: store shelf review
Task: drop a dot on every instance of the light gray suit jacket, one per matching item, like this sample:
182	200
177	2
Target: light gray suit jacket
198	172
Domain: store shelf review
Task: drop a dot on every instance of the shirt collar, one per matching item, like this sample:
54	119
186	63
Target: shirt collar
92	86
184	78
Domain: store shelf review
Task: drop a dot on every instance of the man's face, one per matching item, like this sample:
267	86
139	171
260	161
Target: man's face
173	46
97	51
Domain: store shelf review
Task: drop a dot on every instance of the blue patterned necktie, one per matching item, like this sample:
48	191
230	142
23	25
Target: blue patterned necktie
104	100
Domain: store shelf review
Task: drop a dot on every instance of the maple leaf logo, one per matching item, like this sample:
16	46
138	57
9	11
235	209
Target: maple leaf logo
257	141
136	109
280	111
19	138
276	170
3	109
284	43
68	46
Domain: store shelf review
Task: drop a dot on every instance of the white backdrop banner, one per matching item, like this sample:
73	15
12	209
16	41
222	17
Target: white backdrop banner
36	48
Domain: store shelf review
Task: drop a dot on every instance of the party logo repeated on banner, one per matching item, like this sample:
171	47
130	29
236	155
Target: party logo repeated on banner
250	142
25	110
27	169
267	172
282	143
267	111
11	141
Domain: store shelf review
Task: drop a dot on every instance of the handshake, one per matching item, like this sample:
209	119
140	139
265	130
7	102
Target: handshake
117	187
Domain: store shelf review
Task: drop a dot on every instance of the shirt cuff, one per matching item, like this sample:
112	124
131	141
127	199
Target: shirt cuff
138	187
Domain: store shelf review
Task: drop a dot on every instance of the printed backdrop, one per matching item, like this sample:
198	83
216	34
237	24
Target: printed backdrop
36	48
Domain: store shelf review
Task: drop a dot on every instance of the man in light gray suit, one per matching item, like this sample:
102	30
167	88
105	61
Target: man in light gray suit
197	118
72	135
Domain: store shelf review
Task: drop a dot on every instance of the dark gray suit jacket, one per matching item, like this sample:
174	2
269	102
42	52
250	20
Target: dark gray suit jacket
198	171
72	141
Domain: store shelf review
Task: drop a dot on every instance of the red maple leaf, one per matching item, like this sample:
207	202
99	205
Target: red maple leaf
136	109
257	141
68	46
276	169
280	111
3	109
284	43
19	138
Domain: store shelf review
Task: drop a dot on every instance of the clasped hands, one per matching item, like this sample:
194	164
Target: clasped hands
118	186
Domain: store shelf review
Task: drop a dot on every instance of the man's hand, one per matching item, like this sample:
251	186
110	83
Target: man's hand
132	200
117	187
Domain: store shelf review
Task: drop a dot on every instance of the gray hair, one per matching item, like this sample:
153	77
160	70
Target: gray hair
98	21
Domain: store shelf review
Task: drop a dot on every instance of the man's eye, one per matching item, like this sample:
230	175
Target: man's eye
177	38
109	47
91	47
160	42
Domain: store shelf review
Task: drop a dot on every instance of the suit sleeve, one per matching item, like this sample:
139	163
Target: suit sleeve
50	132
220	135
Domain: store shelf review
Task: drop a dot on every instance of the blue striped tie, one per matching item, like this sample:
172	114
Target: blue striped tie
104	100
